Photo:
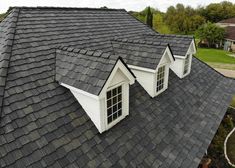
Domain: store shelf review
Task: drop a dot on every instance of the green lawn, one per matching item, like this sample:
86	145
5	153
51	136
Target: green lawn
214	55
233	102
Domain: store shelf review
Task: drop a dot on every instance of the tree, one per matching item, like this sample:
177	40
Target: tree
183	20
215	12
149	17
211	33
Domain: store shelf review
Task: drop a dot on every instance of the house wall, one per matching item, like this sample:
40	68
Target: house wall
96	106
148	77
90	103
233	46
177	66
146	80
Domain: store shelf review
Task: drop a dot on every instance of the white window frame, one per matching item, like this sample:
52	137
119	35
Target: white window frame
165	84
163	72
125	104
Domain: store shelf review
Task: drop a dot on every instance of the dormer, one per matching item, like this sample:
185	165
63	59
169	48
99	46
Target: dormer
100	84
183	47
183	61
149	62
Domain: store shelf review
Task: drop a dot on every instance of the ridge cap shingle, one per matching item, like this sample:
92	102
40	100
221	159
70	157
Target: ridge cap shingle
64	8
172	35
138	41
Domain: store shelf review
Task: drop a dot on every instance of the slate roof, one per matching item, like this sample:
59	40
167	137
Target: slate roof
84	69
230	32
43	125
145	54
179	43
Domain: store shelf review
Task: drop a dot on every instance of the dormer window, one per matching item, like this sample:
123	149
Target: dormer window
186	64
99	81
149	62
160	78
114	104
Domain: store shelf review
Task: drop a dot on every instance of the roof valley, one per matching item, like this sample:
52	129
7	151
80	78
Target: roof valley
7	51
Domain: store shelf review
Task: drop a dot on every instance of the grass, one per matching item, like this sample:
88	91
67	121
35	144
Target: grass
233	102
231	148
214	56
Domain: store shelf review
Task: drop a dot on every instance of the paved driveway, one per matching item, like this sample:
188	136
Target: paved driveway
226	72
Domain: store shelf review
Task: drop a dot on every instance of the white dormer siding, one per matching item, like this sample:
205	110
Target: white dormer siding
148	77
182	64
96	106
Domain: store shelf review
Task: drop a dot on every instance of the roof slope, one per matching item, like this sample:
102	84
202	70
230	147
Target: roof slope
84	69
139	53
230	20
230	32
43	125
179	43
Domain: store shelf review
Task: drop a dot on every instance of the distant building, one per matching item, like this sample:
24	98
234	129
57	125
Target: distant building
229	25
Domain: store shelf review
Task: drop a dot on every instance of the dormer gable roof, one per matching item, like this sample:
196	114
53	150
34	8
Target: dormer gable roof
180	44
146	54
87	70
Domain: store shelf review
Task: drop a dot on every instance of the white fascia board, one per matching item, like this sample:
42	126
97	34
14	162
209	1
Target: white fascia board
189	49
141	68
229	39
126	72
180	56
80	91
167	51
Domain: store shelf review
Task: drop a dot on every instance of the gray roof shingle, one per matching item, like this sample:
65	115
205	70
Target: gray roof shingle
84	69
179	43
141	53
43	125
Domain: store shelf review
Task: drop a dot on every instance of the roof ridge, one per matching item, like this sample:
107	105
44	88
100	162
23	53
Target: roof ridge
7	53
171	35
135	41
67	8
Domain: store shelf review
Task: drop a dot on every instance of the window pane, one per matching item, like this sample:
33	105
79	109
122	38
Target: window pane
109	103
114	100
115	116
109	111
119	113
108	94
119	98
119	105
114	92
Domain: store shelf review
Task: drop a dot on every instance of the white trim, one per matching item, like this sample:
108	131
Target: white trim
80	91
141	68
126	72
170	57
179	56
230	39
225	148
194	49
